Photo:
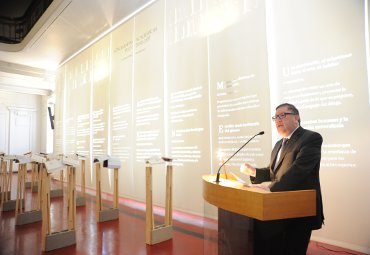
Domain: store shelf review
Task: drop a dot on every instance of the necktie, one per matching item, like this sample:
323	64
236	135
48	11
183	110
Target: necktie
283	143
280	151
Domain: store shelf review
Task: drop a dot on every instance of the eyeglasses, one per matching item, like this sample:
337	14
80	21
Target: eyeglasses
282	115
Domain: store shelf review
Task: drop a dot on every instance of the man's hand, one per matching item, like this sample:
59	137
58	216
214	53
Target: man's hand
248	169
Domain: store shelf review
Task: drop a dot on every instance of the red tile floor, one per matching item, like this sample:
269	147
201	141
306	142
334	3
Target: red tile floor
123	236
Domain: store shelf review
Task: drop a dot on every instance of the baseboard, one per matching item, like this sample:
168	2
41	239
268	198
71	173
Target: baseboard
349	246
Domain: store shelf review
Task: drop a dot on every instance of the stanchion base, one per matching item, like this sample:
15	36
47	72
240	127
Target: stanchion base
35	188
109	214
6	194
161	233
28	217
80	201
56	193
10	205
60	239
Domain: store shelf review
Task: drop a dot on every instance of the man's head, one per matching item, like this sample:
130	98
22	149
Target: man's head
286	119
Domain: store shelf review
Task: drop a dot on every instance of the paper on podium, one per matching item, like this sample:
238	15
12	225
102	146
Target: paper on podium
158	160
101	158
9	157
108	162
71	160
237	178
112	163
53	156
80	156
54	165
21	159
38	158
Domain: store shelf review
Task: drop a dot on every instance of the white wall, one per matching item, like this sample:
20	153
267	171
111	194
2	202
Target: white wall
21	123
4	128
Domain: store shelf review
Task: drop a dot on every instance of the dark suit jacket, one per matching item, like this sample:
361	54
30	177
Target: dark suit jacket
297	169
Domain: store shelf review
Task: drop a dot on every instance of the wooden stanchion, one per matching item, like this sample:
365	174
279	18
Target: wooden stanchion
21	215
10	175
6	203
98	191
56	240
38	162
111	213
115	191
35	176
22	168
71	171
46	225
81	199
3	177
156	234
20	189
83	174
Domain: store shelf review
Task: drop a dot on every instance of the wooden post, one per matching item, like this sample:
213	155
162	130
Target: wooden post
41	179
35	176
61	177
2	182
6	183
98	191
83	183
10	178
168	213
149	217
115	191
6	204
22	169
71	172
80	196
46	225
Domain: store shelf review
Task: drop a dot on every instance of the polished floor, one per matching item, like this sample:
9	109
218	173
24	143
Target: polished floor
123	236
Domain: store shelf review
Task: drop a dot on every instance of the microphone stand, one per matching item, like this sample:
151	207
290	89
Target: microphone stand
218	171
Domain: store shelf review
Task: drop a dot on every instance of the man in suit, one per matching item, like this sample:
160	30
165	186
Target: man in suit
294	165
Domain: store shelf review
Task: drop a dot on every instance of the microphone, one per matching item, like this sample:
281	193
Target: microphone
218	171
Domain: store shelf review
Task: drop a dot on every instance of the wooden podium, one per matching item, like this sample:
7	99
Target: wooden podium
238	205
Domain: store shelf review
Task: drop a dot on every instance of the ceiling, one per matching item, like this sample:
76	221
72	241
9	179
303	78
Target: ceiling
66	27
